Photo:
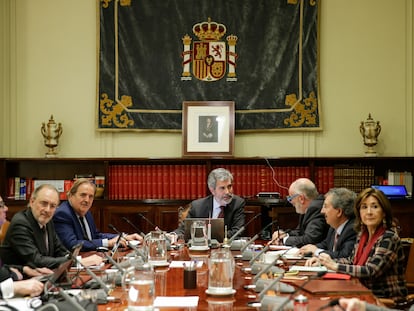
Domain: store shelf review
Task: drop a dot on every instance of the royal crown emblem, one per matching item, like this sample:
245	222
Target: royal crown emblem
209	56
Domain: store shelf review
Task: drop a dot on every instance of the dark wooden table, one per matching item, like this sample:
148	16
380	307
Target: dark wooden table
169	282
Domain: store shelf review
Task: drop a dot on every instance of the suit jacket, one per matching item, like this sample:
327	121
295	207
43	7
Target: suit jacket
312	227
344	245
70	231
25	244
233	213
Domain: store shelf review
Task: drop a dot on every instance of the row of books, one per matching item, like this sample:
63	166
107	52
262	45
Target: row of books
355	178
187	182
401	178
21	188
136	182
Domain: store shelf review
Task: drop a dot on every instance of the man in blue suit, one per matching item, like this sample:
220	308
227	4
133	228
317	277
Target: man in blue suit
74	222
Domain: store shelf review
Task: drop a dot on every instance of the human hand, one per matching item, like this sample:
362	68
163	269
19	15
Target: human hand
92	260
277	237
312	262
306	249
351	304
134	237
17	273
328	262
30	287
36	272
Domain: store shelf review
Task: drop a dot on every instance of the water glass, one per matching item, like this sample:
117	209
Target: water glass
138	282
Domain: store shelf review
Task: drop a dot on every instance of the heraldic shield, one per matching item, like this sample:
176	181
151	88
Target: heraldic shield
209	60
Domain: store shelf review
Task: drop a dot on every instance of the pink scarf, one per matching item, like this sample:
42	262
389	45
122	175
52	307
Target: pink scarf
363	251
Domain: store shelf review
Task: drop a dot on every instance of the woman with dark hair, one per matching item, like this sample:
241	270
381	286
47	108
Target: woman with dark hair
378	257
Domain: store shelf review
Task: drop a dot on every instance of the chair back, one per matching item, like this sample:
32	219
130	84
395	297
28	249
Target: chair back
409	270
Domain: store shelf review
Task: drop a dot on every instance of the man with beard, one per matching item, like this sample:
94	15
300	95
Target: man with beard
312	227
221	203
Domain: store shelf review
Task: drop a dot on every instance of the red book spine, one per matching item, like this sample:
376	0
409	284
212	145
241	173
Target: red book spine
201	181
130	182
159	182
171	176
10	189
193	181
135	181
164	181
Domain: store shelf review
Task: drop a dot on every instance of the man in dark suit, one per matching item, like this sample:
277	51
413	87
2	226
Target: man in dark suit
31	239
312	227
221	203
74	222
339	214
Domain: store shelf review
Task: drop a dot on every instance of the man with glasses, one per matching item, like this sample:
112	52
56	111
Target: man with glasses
312	227
31	238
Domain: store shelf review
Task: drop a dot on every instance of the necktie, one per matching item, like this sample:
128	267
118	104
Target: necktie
335	241
221	214
44	231
85	232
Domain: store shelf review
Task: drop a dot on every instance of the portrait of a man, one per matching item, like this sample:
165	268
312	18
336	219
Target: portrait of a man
208	129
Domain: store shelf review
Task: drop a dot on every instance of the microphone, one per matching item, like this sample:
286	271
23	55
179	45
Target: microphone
242	228
133	226
301	287
256	236
330	304
71	300
264	249
158	229
269	286
93	275
148	221
118	241
267	268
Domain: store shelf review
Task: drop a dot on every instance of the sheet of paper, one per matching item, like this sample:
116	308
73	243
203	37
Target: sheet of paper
185	301
308	269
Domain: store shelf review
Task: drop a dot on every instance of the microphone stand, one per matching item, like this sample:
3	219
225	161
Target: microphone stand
93	275
238	232
134	226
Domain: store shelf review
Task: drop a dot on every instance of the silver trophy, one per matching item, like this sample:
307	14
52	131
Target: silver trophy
51	133
370	130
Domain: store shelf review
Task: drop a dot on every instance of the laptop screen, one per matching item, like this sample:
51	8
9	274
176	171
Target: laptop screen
217	227
392	191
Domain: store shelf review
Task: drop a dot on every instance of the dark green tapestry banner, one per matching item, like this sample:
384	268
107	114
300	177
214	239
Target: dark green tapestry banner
261	54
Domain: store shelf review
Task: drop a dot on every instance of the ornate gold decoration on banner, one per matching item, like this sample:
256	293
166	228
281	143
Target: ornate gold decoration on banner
114	113
304	112
105	3
370	130
51	133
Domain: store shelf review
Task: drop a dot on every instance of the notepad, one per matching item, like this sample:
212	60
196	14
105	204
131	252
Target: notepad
308	269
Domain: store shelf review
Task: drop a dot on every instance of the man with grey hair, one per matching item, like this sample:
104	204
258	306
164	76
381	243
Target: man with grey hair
220	203
339	214
312	227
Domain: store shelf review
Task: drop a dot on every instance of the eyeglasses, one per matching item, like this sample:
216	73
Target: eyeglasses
2	204
290	198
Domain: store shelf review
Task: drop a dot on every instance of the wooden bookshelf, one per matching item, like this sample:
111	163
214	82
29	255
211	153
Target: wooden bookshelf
156	187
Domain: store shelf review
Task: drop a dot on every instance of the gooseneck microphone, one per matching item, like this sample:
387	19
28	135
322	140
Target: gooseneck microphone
156	227
242	228
134	226
118	241
256	236
301	287
267	268
271	284
93	275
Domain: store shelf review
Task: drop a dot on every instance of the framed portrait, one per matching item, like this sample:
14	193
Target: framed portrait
208	128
